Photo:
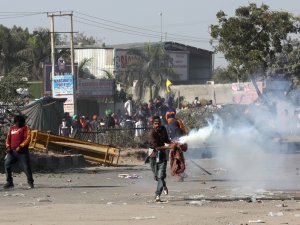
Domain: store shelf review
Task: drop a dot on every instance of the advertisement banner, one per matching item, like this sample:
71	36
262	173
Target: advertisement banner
63	88
124	59
180	64
47	75
95	88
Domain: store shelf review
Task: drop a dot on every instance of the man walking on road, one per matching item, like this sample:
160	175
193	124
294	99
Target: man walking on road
17	142
158	155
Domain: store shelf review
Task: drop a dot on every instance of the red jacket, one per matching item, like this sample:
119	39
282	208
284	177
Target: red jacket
18	137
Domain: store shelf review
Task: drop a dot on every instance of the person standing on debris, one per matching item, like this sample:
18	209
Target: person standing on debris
158	155
17	142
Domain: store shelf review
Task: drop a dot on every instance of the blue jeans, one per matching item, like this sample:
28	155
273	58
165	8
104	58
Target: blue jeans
23	158
159	171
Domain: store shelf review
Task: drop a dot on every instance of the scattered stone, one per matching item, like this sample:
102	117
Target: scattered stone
43	200
256	221
281	205
275	214
14	195
198	203
123	175
143	217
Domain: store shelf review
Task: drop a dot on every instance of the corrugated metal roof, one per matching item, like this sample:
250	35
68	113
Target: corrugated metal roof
172	46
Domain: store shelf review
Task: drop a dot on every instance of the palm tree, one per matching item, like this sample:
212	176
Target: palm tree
37	50
153	68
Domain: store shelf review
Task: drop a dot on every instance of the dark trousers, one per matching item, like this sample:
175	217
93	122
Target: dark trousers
23	159
159	171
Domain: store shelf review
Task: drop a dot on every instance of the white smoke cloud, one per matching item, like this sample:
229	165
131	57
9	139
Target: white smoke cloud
248	150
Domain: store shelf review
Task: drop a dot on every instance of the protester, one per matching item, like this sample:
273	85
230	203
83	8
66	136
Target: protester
64	129
140	126
76	126
94	124
158	155
128	107
196	102
177	161
85	126
161	109
68	119
109	119
17	142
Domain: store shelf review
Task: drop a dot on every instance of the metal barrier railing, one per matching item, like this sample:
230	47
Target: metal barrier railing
121	137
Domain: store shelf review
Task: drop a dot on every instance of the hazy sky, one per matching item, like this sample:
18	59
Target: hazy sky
122	21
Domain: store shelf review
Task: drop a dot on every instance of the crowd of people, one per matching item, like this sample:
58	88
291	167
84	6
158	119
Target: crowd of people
131	116
162	138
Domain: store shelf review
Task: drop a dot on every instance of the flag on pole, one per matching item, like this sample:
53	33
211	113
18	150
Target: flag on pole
168	84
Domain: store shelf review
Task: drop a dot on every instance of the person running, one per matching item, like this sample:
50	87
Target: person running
158	155
17	142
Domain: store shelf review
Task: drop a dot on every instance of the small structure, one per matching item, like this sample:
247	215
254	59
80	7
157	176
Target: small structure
44	114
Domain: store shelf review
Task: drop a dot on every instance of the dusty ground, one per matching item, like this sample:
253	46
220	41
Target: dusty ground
125	195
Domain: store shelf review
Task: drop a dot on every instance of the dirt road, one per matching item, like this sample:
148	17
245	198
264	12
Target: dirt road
125	195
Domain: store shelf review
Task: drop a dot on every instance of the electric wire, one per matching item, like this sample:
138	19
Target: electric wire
139	28
19	15
109	25
131	32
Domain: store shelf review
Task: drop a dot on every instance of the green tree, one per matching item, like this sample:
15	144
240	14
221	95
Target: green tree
83	71
287	63
77	38
11	87
151	70
83	39
224	75
253	37
36	51
12	41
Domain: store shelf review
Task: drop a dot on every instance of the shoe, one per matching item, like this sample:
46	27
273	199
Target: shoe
165	190
157	198
8	185
31	185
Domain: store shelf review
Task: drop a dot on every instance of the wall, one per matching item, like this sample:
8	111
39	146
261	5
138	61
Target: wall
223	92
101	60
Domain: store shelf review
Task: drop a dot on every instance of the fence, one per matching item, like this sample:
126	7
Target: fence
121	137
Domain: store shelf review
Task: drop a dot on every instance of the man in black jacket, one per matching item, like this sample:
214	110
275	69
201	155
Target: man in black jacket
158	140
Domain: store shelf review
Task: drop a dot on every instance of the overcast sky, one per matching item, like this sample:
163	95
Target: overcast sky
122	21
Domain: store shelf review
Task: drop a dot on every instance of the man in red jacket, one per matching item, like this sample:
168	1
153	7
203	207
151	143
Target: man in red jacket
17	142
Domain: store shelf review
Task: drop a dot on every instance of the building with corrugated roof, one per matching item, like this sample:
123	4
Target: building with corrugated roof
192	65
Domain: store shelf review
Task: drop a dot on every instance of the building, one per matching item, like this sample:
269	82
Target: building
193	65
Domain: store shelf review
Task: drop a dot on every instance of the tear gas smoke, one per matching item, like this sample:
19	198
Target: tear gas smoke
247	150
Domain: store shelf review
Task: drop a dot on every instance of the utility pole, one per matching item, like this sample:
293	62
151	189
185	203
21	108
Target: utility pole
52	51
161	35
75	78
75	82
